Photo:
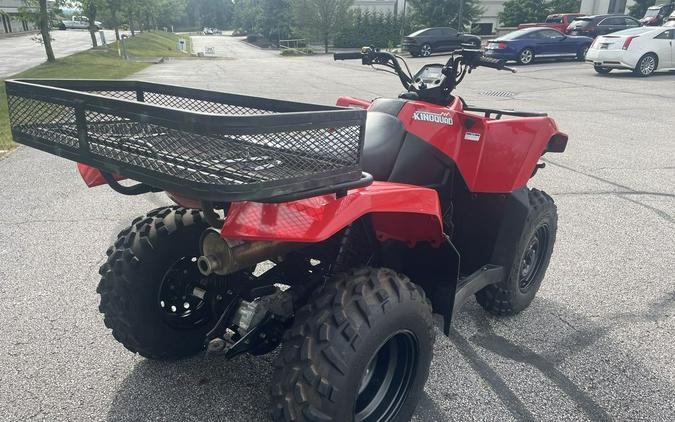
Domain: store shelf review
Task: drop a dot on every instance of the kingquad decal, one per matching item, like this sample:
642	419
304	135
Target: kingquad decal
433	117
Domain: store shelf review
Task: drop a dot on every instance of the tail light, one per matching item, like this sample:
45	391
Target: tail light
626	43
501	45
557	143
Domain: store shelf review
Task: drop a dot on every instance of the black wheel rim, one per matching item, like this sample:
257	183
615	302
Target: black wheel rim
387	379
533	258
181	297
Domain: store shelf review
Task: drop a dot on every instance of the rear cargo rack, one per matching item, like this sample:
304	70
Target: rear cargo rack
205	145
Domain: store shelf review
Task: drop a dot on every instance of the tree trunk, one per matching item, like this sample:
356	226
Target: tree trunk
44	30
131	23
325	43
91	14
113	14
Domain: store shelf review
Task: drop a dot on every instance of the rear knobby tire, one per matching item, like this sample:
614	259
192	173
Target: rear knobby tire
132	277
526	272
325	355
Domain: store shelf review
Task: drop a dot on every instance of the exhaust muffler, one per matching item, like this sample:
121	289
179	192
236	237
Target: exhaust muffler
226	256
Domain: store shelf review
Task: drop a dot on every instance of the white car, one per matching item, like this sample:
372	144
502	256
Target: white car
642	50
671	20
79	22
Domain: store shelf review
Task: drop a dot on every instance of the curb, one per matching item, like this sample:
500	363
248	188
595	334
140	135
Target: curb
17	34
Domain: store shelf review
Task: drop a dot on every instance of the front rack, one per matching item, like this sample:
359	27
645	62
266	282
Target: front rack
201	144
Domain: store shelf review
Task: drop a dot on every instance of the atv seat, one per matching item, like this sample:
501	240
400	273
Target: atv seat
384	135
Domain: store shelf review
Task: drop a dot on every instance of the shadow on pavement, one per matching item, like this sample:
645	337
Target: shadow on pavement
204	389
198	389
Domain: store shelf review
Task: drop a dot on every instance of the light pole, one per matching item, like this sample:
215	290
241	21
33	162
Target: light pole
460	26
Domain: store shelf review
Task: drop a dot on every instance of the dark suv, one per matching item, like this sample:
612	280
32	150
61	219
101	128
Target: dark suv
432	40
592	26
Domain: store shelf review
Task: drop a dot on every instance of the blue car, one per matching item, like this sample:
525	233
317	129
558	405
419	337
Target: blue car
526	45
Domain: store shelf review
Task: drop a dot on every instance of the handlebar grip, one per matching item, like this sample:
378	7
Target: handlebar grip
356	55
492	63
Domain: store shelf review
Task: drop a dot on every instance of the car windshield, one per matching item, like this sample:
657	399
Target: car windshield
651	12
416	33
554	19
517	34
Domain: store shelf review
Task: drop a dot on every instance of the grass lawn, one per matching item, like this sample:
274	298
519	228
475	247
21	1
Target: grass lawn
99	63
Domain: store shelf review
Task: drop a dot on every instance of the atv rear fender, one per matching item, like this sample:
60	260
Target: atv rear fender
400	212
353	102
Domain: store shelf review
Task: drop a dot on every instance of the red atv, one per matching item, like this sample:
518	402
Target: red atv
334	232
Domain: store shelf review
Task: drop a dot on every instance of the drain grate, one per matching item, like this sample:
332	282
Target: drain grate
498	93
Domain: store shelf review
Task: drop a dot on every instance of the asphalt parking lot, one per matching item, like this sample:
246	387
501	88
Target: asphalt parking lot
23	52
596	344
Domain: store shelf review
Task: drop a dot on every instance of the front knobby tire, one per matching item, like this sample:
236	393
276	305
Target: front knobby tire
144	258
359	329
533	254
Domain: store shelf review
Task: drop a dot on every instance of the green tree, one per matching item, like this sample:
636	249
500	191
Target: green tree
37	11
427	13
564	6
244	15
90	8
274	20
638	9
320	19
114	7
519	11
44	31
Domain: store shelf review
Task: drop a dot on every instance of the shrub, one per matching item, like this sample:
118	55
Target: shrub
369	28
297	51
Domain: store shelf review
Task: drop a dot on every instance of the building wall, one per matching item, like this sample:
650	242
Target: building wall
10	20
491	14
600	7
383	6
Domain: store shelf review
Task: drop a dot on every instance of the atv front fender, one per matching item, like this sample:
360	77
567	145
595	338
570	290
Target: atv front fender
401	212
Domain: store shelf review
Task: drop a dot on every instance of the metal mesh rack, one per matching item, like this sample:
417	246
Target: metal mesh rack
207	145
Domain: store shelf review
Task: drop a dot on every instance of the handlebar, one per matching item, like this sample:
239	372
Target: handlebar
356	55
460	63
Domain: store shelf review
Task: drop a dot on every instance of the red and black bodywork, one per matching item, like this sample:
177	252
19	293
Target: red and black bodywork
438	187
449	184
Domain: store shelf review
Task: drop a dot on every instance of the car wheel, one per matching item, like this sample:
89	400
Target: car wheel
425	51
581	54
526	56
602	70
646	65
